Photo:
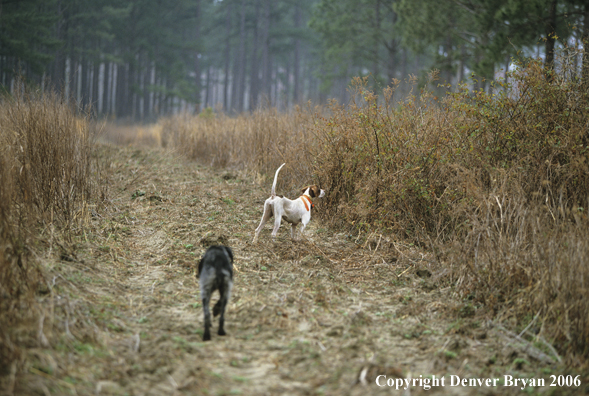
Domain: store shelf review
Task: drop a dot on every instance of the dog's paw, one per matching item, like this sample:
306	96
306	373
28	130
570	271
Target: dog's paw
216	310
206	336
221	332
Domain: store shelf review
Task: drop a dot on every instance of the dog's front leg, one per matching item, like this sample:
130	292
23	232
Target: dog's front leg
293	231
303	225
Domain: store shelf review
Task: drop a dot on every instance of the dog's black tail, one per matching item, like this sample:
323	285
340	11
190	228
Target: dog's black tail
273	194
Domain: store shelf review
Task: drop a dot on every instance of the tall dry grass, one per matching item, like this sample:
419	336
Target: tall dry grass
259	142
148	135
496	184
46	182
523	264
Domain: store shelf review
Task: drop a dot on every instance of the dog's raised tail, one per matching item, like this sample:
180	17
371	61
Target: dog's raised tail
273	194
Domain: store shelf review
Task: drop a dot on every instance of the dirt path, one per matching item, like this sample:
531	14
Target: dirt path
322	316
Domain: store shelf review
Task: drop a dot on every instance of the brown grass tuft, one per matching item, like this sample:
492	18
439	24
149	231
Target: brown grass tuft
521	263
258	143
46	181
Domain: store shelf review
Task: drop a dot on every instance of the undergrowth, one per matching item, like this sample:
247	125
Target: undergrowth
47	180
495	184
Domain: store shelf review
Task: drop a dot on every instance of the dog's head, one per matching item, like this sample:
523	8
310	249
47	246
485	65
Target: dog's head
314	191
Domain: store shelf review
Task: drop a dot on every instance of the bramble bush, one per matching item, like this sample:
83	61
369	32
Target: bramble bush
495	183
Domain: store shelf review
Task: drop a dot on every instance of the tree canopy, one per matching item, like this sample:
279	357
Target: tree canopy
140	59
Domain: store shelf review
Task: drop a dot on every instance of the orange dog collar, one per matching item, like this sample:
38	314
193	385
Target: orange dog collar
306	199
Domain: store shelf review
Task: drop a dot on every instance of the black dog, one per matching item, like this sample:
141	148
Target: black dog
215	272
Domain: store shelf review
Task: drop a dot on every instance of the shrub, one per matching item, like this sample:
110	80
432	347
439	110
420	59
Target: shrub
497	184
391	168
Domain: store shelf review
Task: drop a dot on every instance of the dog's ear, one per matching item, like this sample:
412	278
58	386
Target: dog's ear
303	190
313	191
316	191
229	252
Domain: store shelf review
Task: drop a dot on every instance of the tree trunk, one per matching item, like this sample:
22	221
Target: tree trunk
131	82
392	62
113	88
208	88
159	109
69	77
550	41
213	88
227	60
156	96
95	75
461	63
123	91
197	55
58	74
242	60
585	39
146	90
254	69
105	90
403	63
234	84
164	99
375	61
266	69
152	84
296	94
392	48
286	91
74	77
140	89
447	67
85	84
276	80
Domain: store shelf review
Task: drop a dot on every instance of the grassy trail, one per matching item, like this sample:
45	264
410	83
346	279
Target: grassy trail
321	316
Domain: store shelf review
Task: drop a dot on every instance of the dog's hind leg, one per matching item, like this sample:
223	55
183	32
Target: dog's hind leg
277	221
265	217
221	305
217	308
206	282
205	305
223	302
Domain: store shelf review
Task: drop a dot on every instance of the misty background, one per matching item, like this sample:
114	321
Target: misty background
142	59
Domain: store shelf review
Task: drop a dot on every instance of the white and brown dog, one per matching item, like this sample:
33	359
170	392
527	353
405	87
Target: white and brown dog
293	211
